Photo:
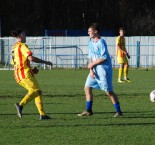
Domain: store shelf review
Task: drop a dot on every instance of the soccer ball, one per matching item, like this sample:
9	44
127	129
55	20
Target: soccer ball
152	96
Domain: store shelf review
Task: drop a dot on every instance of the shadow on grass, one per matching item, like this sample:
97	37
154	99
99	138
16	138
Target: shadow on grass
127	95
9	96
139	114
45	95
82	125
63	95
54	103
98	124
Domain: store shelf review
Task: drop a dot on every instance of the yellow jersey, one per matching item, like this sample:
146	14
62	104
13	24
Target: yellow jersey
20	53
121	42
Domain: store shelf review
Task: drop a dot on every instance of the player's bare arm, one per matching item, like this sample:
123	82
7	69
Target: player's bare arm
92	64
120	48
92	74
91	70
124	51
38	60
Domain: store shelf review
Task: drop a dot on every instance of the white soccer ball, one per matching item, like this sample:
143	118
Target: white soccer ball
152	96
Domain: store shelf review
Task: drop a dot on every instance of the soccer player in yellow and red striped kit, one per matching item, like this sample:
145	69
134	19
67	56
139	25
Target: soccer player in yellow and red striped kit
122	57
24	75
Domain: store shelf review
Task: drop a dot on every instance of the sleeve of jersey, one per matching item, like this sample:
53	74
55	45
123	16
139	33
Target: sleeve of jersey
26	51
103	54
118	40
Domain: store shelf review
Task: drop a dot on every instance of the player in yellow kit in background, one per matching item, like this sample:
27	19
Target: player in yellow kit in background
24	75
122	56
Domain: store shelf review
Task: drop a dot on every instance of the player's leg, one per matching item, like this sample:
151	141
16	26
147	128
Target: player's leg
89	102
120	72
18	106
126	69
34	92
89	85
89	98
115	102
126	66
39	104
105	82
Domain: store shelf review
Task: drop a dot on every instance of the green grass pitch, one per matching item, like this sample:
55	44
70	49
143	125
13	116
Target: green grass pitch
64	98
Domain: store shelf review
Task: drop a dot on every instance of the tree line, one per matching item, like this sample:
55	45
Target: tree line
34	16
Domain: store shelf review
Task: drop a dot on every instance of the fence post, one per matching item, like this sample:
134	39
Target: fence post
43	53
76	58
2	51
138	54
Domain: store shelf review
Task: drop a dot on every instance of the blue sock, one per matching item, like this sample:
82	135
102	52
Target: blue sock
117	107
89	105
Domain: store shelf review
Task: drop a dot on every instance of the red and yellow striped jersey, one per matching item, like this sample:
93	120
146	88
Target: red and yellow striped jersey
121	42
20	53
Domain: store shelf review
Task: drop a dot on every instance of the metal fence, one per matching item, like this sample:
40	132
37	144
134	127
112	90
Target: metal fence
62	56
71	52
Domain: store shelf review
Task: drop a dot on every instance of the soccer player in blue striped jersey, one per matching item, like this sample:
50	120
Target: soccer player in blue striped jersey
100	75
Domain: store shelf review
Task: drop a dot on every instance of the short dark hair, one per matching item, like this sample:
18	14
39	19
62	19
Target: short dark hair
95	26
121	28
16	32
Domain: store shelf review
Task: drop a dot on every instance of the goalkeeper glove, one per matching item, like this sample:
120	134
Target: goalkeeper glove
128	56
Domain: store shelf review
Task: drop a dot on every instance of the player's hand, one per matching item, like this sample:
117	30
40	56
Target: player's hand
90	65
35	70
92	74
49	63
125	52
128	56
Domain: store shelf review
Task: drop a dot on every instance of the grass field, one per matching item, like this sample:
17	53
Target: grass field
64	98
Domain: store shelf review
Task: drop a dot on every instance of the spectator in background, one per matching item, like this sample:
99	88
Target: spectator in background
122	57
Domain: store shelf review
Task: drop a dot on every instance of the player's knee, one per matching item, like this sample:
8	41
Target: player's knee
86	89
39	92
126	65
110	93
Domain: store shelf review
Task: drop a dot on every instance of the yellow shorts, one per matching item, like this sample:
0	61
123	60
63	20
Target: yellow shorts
30	83
122	60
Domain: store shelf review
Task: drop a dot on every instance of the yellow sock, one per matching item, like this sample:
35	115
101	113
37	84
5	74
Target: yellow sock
39	104
120	73
125	72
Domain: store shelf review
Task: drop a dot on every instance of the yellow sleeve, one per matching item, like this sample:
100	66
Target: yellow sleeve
26	51
118	40
119	53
